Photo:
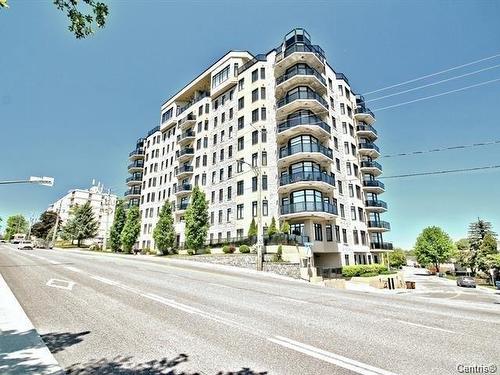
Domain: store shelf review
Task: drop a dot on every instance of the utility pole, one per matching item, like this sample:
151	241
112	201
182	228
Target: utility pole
54	234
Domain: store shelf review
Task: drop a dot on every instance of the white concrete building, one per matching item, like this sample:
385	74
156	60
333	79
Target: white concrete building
103	206
281	133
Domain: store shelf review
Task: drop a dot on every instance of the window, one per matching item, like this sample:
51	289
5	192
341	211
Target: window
254	208
220	77
255	75
241	122
228	215
355	236
263	115
239	188
337	233
342	211
211	217
344	235
361	217
351	190
255	137
229	193
220	216
337	164
329	233
342	111
230	152
265	208
255	115
230	113
229	171
263	134
214	139
254	183
241	103
255	95
239	212
353	213
318	232
264	182
221	155
241	84
241	143
239	166
254	159
346	259
262	93
262	73
264	158
204	160
346	148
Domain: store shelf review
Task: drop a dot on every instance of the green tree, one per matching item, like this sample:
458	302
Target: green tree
82	224
118	224
81	24
285	227
196	220
44	224
164	232
397	258
252	229
488	247
478	231
433	246
15	224
131	229
272	230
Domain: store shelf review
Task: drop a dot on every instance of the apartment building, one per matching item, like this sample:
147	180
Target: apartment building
279	134
103	206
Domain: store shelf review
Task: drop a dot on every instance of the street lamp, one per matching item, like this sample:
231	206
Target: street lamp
46	181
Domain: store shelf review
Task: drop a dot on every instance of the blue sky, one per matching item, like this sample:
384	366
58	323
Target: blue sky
72	109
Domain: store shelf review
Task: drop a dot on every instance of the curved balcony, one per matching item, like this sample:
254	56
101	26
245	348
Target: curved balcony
183	189
364	114
303	124
306	180
382	246
154	130
369	149
300	76
133	193
135	179
375	206
185	154
366	131
181	208
139	143
184	171
186	137
373	186
187	121
136	154
310	54
136	166
301	100
305	151
371	167
378	226
308	209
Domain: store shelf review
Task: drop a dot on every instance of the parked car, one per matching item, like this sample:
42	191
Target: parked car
466	282
25	245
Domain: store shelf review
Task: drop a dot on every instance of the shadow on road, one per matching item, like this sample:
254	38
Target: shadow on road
57	342
125	365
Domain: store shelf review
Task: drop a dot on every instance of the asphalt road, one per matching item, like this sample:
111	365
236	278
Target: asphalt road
115	314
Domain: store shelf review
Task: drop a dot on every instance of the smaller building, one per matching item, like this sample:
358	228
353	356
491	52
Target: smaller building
103	206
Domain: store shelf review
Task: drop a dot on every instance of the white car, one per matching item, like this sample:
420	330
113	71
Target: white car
25	245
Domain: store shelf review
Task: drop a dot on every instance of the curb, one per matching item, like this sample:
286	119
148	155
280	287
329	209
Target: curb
22	350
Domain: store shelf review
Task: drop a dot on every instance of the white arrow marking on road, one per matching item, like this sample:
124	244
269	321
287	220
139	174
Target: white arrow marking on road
335	359
61	284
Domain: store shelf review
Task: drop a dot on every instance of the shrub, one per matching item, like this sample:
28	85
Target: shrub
208	250
363	270
95	247
190	252
278	257
244	249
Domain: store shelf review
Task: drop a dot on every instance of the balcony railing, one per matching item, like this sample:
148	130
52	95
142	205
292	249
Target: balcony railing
370	164
366	128
134	177
306	147
363	109
139	151
251	62
185	135
185	187
189	117
191	102
186	151
369	145
378	224
133	191
302	95
381	245
374	203
341	76
293	208
306	71
373	183
185	168
307	176
182	206
303	120
302	47
154	130
136	164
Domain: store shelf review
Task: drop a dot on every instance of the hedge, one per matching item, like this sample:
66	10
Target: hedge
363	270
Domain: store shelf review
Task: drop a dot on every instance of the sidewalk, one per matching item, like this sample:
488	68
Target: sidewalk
22	351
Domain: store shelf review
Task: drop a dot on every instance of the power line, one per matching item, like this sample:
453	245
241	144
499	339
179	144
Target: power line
432	84
441	172
432	75
437	95
459	147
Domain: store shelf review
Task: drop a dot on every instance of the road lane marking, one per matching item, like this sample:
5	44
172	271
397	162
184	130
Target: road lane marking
61	284
104	280
221	285
53	262
292	300
74	269
424	326
335	359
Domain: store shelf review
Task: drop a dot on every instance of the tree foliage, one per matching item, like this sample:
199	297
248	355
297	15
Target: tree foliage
118	224
397	258
45	223
15	224
196	220
285	227
252	229
81	225
164	232
481	242
272	230
81	23
433	246
131	229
